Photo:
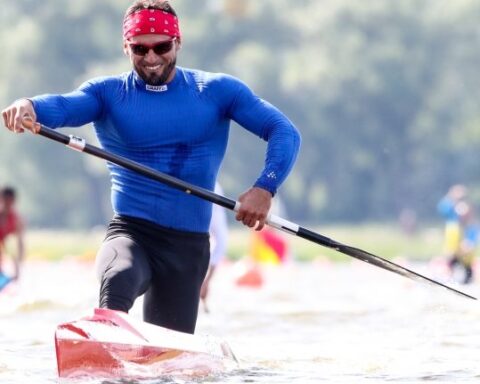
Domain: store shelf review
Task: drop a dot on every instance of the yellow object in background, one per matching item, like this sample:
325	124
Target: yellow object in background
453	235
268	247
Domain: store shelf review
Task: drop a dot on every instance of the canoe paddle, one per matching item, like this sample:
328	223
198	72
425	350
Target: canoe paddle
80	145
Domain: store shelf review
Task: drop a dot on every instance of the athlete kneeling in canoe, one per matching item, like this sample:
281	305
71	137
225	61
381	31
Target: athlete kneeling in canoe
175	120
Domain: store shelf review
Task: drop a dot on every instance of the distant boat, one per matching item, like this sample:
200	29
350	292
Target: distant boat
113	344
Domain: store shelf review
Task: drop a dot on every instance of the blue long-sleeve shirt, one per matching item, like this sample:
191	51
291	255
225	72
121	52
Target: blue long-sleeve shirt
180	129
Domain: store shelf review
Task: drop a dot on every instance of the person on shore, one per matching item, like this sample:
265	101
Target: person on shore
447	209
464	257
218	245
11	225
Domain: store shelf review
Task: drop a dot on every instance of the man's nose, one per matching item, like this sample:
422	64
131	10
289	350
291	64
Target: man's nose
151	56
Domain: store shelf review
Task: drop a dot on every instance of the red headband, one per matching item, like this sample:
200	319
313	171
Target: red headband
150	21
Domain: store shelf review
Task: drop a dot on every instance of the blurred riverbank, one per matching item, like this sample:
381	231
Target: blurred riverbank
385	240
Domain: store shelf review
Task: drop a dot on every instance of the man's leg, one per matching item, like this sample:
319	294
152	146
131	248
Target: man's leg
173	297
124	273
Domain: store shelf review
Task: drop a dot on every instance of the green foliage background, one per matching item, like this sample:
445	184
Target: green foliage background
385	93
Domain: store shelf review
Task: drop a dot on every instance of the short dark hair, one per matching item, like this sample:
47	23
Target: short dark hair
163	5
9	192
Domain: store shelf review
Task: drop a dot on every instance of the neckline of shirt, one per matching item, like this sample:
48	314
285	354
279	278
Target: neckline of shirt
140	83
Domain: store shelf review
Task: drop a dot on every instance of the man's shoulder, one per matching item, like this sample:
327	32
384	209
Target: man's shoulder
209	78
217	82
109	80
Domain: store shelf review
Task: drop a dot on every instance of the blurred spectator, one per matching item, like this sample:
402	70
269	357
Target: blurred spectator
461	232
11	224
218	243
465	254
446	207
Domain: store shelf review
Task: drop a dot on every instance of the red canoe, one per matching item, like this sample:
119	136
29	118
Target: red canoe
113	344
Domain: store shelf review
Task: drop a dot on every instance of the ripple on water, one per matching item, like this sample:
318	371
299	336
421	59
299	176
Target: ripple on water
344	325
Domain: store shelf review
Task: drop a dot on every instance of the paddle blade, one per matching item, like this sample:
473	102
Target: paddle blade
373	259
395	268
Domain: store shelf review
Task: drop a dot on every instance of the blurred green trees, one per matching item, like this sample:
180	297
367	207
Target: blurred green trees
385	94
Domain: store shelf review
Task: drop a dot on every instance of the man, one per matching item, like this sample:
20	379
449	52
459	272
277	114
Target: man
10	225
175	120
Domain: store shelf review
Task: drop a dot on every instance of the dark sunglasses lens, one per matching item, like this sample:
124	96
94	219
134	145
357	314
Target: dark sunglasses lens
162	48
159	49
139	50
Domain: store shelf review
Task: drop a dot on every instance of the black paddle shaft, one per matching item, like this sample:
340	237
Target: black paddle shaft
79	144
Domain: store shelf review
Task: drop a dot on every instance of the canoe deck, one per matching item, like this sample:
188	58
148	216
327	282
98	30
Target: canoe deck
113	344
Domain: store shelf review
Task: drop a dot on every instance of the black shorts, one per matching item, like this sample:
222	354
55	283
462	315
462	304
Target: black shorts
168	266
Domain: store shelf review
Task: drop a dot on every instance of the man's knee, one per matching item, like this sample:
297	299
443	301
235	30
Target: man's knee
123	272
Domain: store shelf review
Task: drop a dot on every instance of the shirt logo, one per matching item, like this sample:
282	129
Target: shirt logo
156	88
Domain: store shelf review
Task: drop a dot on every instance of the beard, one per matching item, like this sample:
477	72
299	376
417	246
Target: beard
157	78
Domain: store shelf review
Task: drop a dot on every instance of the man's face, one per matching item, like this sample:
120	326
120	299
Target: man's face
153	68
8	202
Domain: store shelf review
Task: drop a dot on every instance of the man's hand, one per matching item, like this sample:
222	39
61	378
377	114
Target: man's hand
255	204
14	115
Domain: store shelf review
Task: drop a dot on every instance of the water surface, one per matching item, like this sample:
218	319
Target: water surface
308	323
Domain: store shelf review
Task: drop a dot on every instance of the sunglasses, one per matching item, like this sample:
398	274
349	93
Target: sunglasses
159	48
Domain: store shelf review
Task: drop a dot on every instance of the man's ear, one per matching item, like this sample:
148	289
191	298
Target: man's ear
179	43
125	48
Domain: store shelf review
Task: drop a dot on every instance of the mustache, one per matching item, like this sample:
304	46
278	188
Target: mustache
157	79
